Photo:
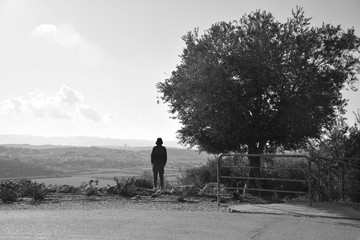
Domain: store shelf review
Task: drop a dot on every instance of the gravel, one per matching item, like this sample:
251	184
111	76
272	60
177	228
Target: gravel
162	202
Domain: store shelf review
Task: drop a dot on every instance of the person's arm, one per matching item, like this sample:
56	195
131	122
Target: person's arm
152	156
165	158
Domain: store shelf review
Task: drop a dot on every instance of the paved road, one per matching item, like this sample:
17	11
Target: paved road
155	224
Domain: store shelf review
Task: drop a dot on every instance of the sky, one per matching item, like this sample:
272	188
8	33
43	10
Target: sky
90	67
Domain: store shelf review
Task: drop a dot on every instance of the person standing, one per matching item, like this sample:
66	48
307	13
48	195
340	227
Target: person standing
158	162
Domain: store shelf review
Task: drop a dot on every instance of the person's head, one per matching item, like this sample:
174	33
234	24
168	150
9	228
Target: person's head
159	141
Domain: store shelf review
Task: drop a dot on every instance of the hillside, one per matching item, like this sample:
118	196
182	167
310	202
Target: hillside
28	160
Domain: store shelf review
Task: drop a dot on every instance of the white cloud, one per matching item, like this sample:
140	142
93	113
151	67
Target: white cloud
89	113
87	53
62	34
69	96
12	104
66	104
44	29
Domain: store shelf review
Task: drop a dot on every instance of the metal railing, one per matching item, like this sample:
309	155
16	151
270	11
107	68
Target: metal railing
305	181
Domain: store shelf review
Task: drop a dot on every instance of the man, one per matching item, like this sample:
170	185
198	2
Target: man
158	161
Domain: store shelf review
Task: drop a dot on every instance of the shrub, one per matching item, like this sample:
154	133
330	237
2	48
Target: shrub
37	191
199	176
125	186
9	191
145	180
291	168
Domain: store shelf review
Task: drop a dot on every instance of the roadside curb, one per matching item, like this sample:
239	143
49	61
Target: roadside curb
296	210
292	214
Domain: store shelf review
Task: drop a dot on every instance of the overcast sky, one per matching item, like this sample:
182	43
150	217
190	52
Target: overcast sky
89	67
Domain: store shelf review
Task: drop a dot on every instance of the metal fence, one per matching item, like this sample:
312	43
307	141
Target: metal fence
238	177
337	179
318	178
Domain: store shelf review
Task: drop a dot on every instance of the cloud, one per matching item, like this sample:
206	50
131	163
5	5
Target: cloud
44	29
62	34
89	113
66	104
69	96
87	53
12	104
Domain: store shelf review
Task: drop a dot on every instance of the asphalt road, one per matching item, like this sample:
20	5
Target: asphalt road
155	224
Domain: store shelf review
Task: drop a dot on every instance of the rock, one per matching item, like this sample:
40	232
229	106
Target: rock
52	189
181	199
67	189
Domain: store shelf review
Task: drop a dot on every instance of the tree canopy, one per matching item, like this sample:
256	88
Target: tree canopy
258	83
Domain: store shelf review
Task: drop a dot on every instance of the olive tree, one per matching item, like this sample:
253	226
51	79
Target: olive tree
257	83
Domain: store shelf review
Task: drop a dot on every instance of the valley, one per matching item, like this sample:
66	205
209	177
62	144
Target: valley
74	165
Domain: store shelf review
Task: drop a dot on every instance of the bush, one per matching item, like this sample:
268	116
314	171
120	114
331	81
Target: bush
125	186
145	180
37	191
9	191
12	190
292	168
199	176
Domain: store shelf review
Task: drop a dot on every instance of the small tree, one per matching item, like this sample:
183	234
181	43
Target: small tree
353	143
257	83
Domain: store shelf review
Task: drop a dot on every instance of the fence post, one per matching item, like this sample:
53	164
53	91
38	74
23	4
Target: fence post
218	180
309	182
342	182
329	181
319	196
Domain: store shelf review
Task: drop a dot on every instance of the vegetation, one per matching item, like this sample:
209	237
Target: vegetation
257	84
199	176
125	186
334	151
11	190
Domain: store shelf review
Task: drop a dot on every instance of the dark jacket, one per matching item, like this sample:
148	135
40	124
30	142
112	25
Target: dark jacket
159	154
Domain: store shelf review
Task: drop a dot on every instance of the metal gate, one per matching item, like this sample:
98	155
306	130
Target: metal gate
241	162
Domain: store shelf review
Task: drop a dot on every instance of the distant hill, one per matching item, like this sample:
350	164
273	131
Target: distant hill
82	141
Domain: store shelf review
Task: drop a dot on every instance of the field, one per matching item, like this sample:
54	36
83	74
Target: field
73	165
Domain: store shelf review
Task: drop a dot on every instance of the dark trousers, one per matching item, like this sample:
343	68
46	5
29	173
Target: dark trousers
158	169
